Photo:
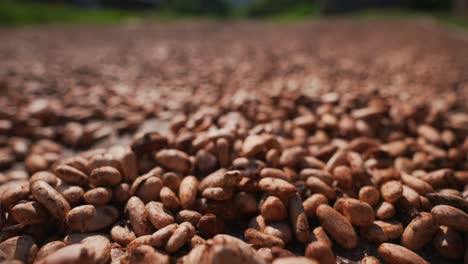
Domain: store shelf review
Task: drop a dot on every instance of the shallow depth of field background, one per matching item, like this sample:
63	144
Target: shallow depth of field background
30	12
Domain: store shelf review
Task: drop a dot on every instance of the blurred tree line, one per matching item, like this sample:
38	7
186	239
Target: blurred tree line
339	6
189	7
259	8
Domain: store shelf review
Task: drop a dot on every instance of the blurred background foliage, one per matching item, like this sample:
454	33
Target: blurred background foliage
20	12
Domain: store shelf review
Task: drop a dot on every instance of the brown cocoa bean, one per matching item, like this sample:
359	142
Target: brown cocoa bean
12	192
337	226
169	198
318	186
71	175
190	216
319	234
46	176
273	209
369	260
72	193
98	196
260	239
158	215
210	225
105	176
451	217
29	213
48	249
294	260
50	199
20	248
145	254
298	218
391	191
370	195
173	159
358	213
382	231
90	218
419	232
135	211
181	235
279	229
392	253
321	252
277	187
310	204
122	234
384	211
448	243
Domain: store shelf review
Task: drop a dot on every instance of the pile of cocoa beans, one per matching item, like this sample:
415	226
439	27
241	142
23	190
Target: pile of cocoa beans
256	178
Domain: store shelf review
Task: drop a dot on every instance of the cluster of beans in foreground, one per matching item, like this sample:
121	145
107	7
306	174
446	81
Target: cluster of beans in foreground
327	173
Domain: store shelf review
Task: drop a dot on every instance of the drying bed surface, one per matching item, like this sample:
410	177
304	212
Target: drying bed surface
332	140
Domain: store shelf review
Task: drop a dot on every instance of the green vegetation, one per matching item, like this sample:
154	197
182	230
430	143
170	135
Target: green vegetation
196	7
24	12
296	12
15	13
443	17
452	20
20	12
281	8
